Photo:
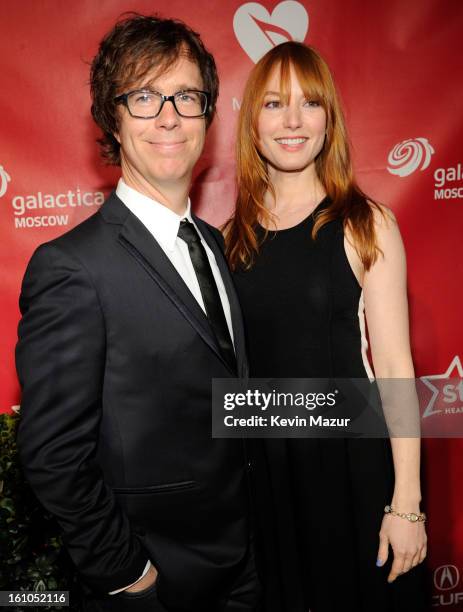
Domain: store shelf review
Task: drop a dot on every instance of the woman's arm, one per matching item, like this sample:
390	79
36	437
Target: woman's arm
386	310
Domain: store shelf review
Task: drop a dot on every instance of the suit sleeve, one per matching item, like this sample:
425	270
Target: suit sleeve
60	358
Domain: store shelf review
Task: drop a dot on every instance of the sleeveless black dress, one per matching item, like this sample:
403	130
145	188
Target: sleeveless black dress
319	502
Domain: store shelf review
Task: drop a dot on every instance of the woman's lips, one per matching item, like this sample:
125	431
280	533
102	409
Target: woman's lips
292	144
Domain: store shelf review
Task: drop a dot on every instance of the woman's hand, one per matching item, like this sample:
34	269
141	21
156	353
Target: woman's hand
408	541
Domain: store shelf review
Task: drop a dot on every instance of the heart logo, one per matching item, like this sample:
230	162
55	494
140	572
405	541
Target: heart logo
257	31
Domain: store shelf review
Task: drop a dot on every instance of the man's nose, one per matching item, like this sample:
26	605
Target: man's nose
168	117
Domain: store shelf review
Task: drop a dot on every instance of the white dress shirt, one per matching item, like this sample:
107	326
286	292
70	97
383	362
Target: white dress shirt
163	224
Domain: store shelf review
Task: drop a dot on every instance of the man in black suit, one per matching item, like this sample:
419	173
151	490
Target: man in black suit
126	320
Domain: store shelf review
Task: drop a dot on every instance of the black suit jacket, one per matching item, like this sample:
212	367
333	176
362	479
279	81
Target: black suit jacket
115	359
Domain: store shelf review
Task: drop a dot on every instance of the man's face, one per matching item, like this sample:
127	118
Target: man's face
162	151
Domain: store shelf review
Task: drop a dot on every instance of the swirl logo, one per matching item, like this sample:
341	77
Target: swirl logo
4	180
408	155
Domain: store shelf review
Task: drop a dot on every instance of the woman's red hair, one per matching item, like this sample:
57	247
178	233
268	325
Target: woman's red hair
333	164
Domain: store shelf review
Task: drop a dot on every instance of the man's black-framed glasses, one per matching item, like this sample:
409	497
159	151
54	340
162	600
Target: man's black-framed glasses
147	104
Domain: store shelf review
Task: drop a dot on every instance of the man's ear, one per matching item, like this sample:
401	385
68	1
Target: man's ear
117	121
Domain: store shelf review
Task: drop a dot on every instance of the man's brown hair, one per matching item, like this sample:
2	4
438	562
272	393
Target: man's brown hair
132	49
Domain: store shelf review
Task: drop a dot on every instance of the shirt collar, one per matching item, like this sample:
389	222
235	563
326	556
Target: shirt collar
162	222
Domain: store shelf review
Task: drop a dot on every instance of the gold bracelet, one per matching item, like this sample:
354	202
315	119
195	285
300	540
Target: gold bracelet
410	516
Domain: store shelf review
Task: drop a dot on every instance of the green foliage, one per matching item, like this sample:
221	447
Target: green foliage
32	557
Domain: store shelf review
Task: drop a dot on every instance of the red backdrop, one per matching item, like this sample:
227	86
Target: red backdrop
399	68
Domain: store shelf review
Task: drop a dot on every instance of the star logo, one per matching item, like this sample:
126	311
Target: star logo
447	391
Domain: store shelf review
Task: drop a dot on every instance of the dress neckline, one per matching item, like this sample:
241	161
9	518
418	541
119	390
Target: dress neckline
293	227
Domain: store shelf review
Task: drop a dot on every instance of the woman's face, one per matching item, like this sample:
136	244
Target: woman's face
291	135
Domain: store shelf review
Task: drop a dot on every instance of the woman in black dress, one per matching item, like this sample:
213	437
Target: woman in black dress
313	259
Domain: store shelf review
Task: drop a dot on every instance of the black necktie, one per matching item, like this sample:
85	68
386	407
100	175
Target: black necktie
209	291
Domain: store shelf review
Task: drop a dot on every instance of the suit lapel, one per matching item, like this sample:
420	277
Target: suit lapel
235	308
139	242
